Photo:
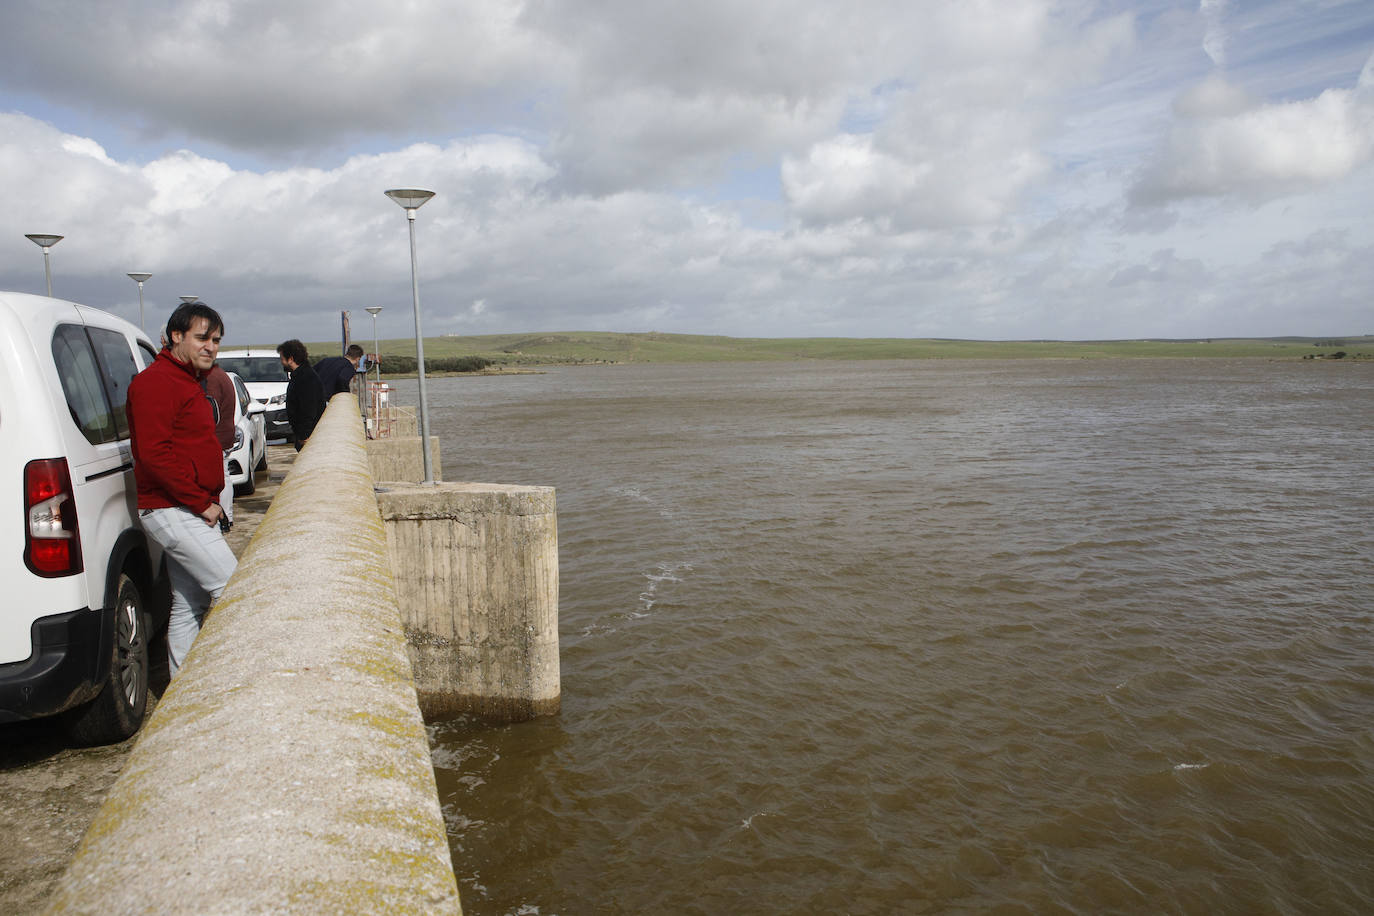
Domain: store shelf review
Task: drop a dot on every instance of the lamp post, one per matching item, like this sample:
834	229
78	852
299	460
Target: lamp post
45	242
138	277
377	385
376	347
412	199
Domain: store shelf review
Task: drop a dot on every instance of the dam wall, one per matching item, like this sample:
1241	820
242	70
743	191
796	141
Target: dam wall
286	769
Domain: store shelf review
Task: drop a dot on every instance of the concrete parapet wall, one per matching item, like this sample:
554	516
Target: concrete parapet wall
401	458
476	568
286	769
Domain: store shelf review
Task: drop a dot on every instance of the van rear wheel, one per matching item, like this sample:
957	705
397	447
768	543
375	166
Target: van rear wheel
119	709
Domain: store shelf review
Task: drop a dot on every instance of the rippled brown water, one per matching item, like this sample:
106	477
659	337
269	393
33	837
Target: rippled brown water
1044	636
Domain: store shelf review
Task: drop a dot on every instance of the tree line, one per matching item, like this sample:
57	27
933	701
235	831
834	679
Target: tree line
404	365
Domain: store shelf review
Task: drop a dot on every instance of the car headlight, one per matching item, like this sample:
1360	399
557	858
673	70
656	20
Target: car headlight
276	399
238	439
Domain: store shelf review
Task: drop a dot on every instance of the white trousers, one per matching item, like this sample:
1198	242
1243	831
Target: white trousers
226	496
199	563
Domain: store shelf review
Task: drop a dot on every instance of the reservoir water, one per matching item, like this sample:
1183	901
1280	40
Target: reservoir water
928	636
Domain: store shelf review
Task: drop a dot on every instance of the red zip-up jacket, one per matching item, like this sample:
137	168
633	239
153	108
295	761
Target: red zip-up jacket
177	459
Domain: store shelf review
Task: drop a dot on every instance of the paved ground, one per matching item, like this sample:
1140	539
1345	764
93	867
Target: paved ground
49	790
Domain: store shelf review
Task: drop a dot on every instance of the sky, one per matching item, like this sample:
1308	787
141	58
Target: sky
984	169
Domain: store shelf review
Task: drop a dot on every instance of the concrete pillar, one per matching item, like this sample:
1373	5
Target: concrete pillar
401	458
386	420
404	424
476	571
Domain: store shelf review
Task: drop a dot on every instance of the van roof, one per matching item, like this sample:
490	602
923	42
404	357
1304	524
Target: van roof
28	308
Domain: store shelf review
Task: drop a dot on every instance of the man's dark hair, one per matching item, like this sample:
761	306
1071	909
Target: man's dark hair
186	314
354	351
295	351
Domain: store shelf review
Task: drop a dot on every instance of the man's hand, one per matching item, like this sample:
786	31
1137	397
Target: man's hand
212	514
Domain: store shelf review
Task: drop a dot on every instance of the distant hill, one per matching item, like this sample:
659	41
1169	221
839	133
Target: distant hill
601	347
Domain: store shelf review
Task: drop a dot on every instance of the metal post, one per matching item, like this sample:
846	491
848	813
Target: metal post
420	351
376	344
138	277
45	242
376	385
411	199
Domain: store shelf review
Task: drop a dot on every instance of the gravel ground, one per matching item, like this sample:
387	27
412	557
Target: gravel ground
49	790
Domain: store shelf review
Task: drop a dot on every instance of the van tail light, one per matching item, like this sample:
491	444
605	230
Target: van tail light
52	544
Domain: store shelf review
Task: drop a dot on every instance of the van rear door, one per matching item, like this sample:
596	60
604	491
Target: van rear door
95	365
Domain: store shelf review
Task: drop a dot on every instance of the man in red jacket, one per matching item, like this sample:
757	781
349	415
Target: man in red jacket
179	469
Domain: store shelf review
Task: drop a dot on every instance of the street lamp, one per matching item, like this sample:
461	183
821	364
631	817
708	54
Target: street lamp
376	347
375	400
45	242
138	277
412	199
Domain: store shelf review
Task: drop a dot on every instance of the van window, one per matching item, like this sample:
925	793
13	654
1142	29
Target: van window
148	354
82	384
118	369
95	366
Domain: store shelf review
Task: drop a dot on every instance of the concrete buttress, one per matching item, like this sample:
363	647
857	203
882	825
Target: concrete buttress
476	572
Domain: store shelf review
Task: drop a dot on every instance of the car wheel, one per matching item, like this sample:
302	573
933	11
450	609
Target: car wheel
262	461
248	487
118	711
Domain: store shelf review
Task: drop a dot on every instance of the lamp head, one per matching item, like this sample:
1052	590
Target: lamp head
139	276
43	241
373	310
410	198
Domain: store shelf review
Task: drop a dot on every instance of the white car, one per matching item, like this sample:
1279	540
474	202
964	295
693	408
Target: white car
85	589
261	371
249	454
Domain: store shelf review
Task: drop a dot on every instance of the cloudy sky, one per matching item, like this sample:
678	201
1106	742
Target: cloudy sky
987	169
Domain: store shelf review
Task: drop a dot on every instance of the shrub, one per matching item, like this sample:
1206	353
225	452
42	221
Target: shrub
457	364
405	365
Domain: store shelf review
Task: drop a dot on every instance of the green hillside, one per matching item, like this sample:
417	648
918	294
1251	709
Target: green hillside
596	347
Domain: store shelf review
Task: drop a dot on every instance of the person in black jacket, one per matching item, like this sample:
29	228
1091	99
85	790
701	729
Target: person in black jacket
336	372
304	393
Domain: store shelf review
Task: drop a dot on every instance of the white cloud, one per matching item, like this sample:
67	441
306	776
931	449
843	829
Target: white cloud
942	167
1214	97
183	181
1221	145
845	178
1215	38
1164	267
261	75
648	137
961	138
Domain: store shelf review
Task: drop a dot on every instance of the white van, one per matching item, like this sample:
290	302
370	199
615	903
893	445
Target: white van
85	589
260	368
